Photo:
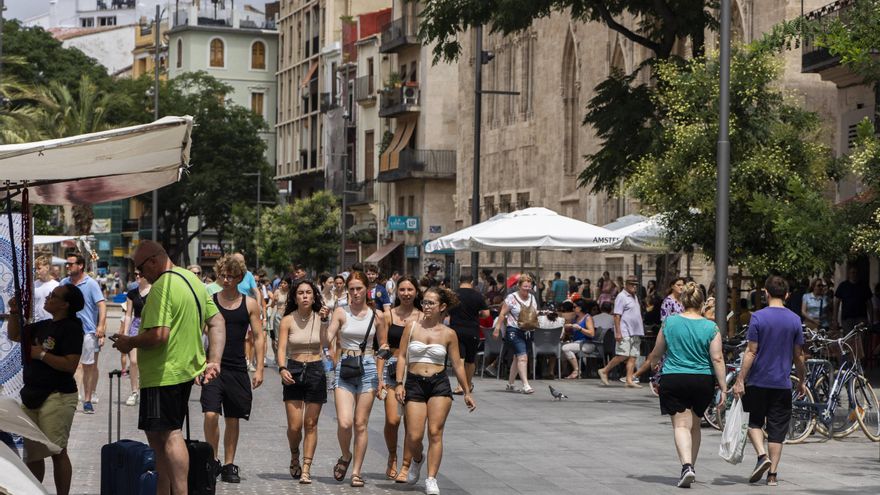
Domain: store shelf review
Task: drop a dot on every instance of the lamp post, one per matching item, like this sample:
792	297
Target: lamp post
722	198
154	218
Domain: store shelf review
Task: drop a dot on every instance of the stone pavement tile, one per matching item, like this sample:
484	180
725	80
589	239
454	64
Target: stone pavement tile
604	440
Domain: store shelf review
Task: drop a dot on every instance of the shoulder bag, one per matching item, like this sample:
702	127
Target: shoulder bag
352	367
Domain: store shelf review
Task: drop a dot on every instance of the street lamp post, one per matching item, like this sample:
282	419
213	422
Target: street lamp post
722	199
154	218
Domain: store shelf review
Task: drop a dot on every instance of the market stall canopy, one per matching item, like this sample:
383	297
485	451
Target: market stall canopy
646	236
52	239
99	167
531	228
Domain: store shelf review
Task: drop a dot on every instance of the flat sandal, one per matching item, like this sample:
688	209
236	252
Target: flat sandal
305	476
357	481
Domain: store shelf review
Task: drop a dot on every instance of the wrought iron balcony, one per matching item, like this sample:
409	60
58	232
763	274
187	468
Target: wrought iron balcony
361	192
421	164
400	101
398	34
818	60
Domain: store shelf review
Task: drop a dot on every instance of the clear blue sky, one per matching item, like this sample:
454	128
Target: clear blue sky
22	9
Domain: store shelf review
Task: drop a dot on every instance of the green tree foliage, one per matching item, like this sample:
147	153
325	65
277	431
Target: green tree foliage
18	116
47	60
854	36
780	219
306	232
65	113
226	145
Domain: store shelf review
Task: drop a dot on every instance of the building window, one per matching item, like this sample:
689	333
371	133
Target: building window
257	103
87	22
107	21
179	53
258	56
218	54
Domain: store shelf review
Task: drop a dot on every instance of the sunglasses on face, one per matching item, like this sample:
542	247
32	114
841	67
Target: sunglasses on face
140	268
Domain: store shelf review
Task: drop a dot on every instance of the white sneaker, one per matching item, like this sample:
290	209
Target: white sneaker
94	398
132	399
431	487
412	476
623	379
251	367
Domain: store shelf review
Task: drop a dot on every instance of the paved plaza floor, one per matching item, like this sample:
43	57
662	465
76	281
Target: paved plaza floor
602	440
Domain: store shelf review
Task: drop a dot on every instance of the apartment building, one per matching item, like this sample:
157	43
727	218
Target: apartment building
144	53
310	53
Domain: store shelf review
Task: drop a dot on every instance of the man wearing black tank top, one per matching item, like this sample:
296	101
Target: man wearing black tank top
230	395
465	320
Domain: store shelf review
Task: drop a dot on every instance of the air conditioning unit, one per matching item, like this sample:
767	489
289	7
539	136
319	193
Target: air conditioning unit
410	95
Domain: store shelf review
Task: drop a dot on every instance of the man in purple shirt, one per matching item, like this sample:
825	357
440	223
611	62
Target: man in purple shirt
775	342
628	331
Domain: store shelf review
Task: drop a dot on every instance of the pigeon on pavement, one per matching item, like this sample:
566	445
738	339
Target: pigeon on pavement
557	395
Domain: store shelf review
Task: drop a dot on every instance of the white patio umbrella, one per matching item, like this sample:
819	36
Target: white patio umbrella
646	236
531	228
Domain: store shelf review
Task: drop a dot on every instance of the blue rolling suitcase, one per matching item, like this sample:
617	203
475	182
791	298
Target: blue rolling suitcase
128	467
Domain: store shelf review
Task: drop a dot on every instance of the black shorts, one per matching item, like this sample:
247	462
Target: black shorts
682	391
769	408
230	395
313	389
467	347
421	388
164	408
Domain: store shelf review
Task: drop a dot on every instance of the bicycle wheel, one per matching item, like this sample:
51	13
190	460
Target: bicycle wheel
867	407
844	421
803	420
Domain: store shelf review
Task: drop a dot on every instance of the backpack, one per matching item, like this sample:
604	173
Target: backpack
528	315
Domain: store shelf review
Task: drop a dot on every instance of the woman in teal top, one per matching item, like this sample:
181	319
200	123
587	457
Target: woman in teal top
692	345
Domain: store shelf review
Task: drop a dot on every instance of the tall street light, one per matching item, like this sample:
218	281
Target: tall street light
722	198
154	218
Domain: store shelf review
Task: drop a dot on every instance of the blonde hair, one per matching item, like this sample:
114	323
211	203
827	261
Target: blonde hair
692	297
525	277
708	306
230	265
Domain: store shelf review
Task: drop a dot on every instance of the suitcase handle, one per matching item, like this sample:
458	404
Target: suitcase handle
118	375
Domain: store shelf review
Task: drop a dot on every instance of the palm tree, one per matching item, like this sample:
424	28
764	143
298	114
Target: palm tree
65	114
18	118
70	114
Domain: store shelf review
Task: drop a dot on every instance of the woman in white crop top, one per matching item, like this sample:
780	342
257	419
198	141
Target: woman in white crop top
353	327
422	384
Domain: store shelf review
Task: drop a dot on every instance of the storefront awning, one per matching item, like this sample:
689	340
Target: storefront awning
382	252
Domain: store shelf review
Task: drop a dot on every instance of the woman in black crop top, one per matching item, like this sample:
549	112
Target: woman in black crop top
135	299
408	304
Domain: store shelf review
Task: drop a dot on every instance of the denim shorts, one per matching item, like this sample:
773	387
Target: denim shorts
390	378
517	338
365	383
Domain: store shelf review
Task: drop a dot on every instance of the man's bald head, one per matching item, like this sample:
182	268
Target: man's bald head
147	249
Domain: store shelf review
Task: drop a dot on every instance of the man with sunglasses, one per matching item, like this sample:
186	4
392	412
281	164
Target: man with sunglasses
171	357
93	316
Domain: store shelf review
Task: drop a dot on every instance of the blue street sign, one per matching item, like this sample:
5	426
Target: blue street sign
400	223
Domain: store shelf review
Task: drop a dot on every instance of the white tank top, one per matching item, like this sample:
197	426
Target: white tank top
419	352
352	333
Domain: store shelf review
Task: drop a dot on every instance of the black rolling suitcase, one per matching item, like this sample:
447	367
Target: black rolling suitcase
203	469
128	467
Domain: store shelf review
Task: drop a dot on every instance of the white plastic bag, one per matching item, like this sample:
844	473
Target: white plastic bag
735	434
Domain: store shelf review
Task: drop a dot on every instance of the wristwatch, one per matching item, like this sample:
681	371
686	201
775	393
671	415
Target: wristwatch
42	355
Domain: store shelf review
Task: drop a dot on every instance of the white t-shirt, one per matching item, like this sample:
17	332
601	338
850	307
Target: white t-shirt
392	294
41	293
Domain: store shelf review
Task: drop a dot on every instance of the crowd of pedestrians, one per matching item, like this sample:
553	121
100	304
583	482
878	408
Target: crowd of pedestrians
360	337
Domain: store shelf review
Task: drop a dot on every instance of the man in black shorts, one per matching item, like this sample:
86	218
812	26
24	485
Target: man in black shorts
465	320
775	342
171	357
230	395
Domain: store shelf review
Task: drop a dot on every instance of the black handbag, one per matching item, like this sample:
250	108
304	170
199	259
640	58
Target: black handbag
352	367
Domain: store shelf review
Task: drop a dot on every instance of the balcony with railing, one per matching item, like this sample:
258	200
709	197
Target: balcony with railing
361	192
365	90
398	34
421	164
396	102
818	60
